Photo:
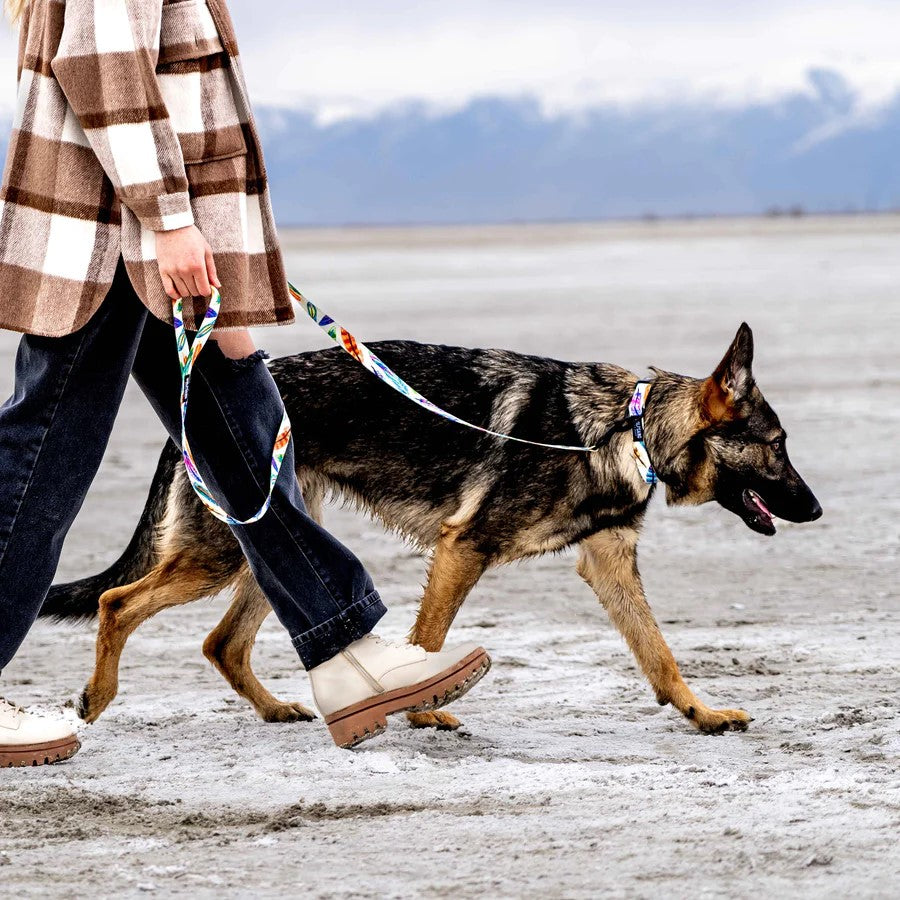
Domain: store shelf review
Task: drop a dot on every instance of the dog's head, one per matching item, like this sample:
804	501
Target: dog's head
738	456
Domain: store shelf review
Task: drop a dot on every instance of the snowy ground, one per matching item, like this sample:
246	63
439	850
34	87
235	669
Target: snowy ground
568	779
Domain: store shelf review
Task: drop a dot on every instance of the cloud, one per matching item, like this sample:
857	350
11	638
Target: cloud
351	58
355	58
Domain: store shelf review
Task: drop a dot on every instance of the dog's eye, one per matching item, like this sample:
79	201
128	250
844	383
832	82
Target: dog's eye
777	445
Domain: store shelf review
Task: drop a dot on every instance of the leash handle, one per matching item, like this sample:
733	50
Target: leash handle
363	355
187	356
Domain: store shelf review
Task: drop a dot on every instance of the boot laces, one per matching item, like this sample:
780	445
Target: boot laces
389	644
8	706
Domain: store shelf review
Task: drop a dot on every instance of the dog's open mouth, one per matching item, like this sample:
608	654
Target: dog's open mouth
758	516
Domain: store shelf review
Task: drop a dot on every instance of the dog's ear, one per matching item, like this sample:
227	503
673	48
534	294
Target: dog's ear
731	383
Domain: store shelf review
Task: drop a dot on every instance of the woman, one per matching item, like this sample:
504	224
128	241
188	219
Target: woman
135	176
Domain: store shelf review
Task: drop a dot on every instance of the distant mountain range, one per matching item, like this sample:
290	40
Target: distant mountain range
503	160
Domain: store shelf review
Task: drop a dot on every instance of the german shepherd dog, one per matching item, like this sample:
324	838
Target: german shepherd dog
472	500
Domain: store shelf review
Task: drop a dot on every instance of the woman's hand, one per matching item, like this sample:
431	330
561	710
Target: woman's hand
186	263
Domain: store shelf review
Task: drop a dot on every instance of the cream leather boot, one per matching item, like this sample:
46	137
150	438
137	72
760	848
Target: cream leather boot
31	739
356	690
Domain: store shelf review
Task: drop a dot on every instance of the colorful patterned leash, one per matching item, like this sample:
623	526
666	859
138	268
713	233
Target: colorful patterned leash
187	354
362	354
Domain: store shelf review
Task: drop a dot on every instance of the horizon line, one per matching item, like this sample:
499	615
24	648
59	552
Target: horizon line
791	212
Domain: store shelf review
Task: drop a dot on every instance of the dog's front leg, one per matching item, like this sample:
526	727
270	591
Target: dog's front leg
608	563
455	569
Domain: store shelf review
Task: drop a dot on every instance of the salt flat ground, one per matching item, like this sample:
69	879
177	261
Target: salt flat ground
567	780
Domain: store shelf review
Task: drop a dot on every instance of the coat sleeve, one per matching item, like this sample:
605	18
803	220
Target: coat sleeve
106	67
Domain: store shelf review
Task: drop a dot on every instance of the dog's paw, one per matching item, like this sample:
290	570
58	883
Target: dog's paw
439	719
717	721
92	702
287	712
83	705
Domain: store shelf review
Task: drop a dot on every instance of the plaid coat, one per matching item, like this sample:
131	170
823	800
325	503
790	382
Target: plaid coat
132	118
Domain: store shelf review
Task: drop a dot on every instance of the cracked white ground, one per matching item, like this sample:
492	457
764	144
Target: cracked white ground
567	779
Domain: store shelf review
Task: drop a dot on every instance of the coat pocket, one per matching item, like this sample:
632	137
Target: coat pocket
195	78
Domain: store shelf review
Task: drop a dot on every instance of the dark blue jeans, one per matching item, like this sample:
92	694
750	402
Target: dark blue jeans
55	428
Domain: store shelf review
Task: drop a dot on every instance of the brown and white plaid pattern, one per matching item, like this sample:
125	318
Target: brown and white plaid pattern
132	117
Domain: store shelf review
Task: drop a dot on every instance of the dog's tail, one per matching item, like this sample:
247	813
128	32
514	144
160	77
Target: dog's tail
80	600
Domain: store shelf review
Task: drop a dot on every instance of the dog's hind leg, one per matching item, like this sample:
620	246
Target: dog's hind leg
314	491
176	580
608	563
455	570
230	645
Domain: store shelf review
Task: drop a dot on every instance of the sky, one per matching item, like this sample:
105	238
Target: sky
354	58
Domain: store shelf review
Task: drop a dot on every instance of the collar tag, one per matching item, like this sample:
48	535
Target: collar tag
639	447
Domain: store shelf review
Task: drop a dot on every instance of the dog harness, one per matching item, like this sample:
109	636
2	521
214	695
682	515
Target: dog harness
188	354
636	418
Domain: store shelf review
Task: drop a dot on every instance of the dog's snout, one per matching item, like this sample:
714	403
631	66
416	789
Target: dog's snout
815	511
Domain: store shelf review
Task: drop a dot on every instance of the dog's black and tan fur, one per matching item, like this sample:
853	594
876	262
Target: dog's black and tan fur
474	501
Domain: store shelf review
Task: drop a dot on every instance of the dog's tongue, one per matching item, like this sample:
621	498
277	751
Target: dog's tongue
755	504
765	517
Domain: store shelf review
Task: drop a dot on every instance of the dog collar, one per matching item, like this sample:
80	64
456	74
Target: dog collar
636	408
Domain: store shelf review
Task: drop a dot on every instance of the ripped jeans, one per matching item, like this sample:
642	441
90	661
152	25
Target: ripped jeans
54	431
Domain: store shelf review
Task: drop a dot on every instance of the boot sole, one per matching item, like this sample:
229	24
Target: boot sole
39	754
368	718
